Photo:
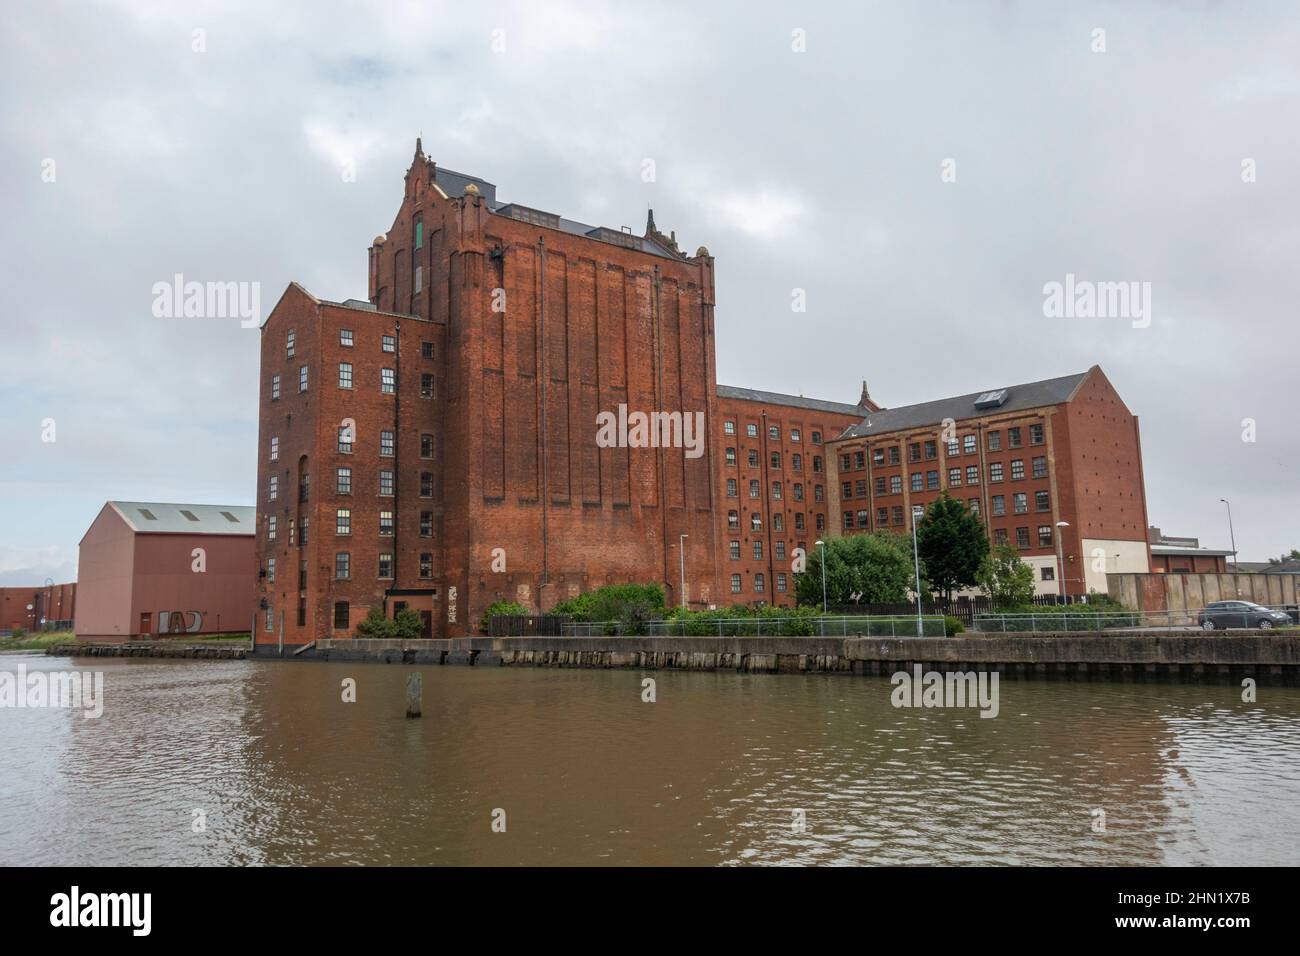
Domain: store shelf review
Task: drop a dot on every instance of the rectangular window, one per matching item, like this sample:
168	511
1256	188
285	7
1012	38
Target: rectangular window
753	489
1013	437
419	278
751	430
419	233
275	388
728	428
818	493
1042	501
302	539
426	484
999	535
345	439
426	446
1017	469
385	566
972	474
932	480
386	444
821	522
774	432
1035	434
893	455
735	584
796	462
426	564
775	459
896	514
385	523
731	457
999	504
846	490
918	481
995	441
954	448
780	550
1021	503
816	438
753	458
878	456
895	484
880	485
1049	574
733	520
426	385
270	618
274	491
387	381
1022	538
732	491
759	584
385	484
426	350
882	516
974	506
288	344
757	549
345	338
343	481
302	379
794	434
931	451
968	445
859	460
1044	535
862	518
343	521
270	527
388	343
914	451
798	521
275	449
780	581
270	570
735	550
817	464
342	565
848	519
860	488
341	615
345	374
798	491
995	471
426	524
1040	467
954	477
776	491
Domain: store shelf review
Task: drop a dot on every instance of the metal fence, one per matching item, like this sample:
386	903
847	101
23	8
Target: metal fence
931	625
994	622
964	608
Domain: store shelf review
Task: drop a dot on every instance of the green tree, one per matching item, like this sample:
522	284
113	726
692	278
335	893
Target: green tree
952	545
503	608
864	568
1007	580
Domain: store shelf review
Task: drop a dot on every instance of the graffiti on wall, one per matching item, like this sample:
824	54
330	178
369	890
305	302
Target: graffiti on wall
177	622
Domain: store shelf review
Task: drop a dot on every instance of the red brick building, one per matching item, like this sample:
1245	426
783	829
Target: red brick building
1024	457
440	447
50	607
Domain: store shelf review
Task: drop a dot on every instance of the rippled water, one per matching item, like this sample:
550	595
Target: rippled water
586	773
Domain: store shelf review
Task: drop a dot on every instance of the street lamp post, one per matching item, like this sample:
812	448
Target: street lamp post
822	545
1060	558
1231	534
916	556
681	553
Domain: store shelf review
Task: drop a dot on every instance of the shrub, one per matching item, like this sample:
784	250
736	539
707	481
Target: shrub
952	626
376	626
502	609
630	604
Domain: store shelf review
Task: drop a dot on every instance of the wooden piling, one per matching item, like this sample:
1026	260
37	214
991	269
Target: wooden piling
414	694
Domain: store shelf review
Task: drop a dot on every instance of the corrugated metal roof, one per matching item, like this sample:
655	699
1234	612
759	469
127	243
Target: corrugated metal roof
1180	551
1051	391
793	401
157	517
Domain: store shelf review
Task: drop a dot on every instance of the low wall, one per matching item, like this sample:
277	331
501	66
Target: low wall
1182	592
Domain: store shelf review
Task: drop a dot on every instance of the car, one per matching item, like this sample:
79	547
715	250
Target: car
1224	614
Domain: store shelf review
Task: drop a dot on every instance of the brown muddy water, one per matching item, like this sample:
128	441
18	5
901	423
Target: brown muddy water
278	769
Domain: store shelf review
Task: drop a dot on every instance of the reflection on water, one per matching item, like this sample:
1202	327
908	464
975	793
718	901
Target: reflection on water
711	773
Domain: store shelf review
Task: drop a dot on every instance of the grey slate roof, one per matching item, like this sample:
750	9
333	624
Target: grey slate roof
1050	391
793	401
171	518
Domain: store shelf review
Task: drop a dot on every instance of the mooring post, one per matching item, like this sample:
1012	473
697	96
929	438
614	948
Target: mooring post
414	694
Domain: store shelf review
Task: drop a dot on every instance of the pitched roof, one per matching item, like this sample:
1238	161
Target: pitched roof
156	517
793	401
1051	391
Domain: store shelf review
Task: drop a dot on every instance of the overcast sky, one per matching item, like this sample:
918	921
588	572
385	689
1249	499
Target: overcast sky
818	170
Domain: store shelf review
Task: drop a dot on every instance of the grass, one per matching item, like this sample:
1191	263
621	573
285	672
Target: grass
36	641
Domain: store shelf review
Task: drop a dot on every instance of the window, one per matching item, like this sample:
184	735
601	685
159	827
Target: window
880	485
270	527
288	344
426	350
426	564
751	430
844	462
780	550
878	456
918	481
1013	437
270	617
426	524
387	381
758	583
1040	467
1035	434
275	388
729	428
343	521
774	432
1021	502
419	232
345	374
780	580
341	615
896	514
733	520
932	480
972	474
755	522
816	438
752	458
954	448
798	521
275	449
342	565
345	439
270	570
757	549
974	506
860	488
302	379
968	445
385	523
274	491
753	489
821	522
794	434
999	504
388	343
995	471
426	385
818	493
386	484
954	477
776	491
846	490
426	446
893	455
345	338
817	464
848	519
999	536
862	518
1048	574
731	457
419	278
1044	535
343	481
798	491
304	485
385	565
386	444
302	540
914	451
995	441
1042	501
735	550
735	584
1022	538
859	459
426	484
796	462
775	459
1017	469
895	484
731	488
931	451
882	516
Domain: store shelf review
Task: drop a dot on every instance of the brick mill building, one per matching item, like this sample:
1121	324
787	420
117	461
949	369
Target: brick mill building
437	448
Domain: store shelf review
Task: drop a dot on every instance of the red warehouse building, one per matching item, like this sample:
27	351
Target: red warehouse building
50	607
150	569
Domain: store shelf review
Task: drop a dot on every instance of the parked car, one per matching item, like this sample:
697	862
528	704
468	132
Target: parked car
1222	614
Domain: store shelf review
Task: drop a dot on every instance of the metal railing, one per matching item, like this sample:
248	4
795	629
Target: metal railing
995	622
930	625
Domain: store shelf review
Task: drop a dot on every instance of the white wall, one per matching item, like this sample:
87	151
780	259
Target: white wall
1101	557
